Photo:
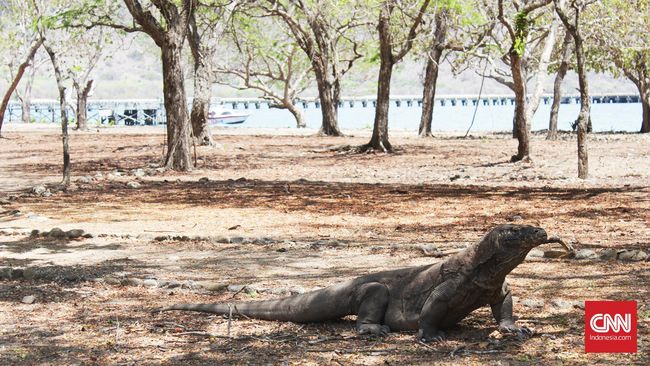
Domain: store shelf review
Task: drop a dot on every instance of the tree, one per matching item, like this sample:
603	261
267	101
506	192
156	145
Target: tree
324	30
166	22
20	42
394	17
557	86
268	60
617	42
206	28
458	26
572	26
24	91
518	32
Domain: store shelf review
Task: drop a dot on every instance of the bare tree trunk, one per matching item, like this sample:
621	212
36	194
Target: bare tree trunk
297	114
179	130
542	71
328	103
379	140
82	102
557	87
19	74
64	116
644	96
201	103
429	93
521	130
25	96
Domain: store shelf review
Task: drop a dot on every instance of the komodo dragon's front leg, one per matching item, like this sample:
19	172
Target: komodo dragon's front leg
502	312
371	301
434	311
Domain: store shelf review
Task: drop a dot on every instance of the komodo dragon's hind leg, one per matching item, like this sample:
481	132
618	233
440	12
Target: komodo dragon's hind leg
371	303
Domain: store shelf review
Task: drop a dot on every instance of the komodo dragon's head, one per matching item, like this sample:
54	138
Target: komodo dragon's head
505	247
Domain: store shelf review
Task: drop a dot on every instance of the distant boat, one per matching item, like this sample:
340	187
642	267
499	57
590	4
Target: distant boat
226	116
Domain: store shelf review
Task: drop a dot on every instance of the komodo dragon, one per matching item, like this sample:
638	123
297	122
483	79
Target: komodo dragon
427	298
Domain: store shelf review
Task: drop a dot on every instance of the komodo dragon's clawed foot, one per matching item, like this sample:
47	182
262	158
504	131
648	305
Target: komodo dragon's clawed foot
514	329
374	329
431	335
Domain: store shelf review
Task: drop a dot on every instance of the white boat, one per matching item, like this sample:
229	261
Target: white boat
226	116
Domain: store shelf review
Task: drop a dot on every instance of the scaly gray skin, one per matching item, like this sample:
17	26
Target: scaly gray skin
427	298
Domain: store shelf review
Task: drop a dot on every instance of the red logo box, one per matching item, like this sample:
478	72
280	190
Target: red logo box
610	326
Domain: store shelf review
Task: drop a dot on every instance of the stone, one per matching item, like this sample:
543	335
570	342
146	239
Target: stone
237	240
85	179
279	291
562	304
216	287
88	236
428	249
46	194
112	280
516	218
6	273
535	253
99	176
585	254
161	238
74	233
555	254
633	255
57	233
133	185
4	202
39	190
204	180
28	299
31	273
298	290
132	281
222	239
139	172
150	282
608	254
235	288
35	233
533	303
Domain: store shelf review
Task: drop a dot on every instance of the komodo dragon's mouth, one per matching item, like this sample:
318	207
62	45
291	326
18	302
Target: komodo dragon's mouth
556	239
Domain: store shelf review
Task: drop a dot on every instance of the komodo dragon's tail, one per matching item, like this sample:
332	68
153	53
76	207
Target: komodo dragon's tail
321	305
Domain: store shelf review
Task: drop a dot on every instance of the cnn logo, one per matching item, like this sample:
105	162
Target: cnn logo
610	326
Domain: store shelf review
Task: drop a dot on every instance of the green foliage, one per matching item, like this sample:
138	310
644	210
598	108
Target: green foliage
522	27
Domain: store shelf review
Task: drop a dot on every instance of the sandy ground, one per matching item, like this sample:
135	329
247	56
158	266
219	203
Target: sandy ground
308	216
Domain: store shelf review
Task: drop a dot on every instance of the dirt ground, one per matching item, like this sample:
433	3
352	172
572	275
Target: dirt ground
273	212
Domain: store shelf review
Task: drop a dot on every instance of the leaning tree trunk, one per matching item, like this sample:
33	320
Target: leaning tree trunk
16	80
328	103
296	112
64	116
557	87
179	131
82	102
521	130
201	103
429	92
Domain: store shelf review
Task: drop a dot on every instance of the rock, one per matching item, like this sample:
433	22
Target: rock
31	273
263	241
17	273
280	291
116	173
561	304
281	250
428	249
204	180
533	303
132	281
222	239
555	254
608	254
150	282
35	233
6	273
39	190
46	194
85	179
74	233
99	176
139	172
171	284
633	255
34	217
535	253
216	287
235	288
4	202
298	290
88	236
28	299
160	170
516	218
112	280
133	185
237	240
161	238
585	254
57	233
